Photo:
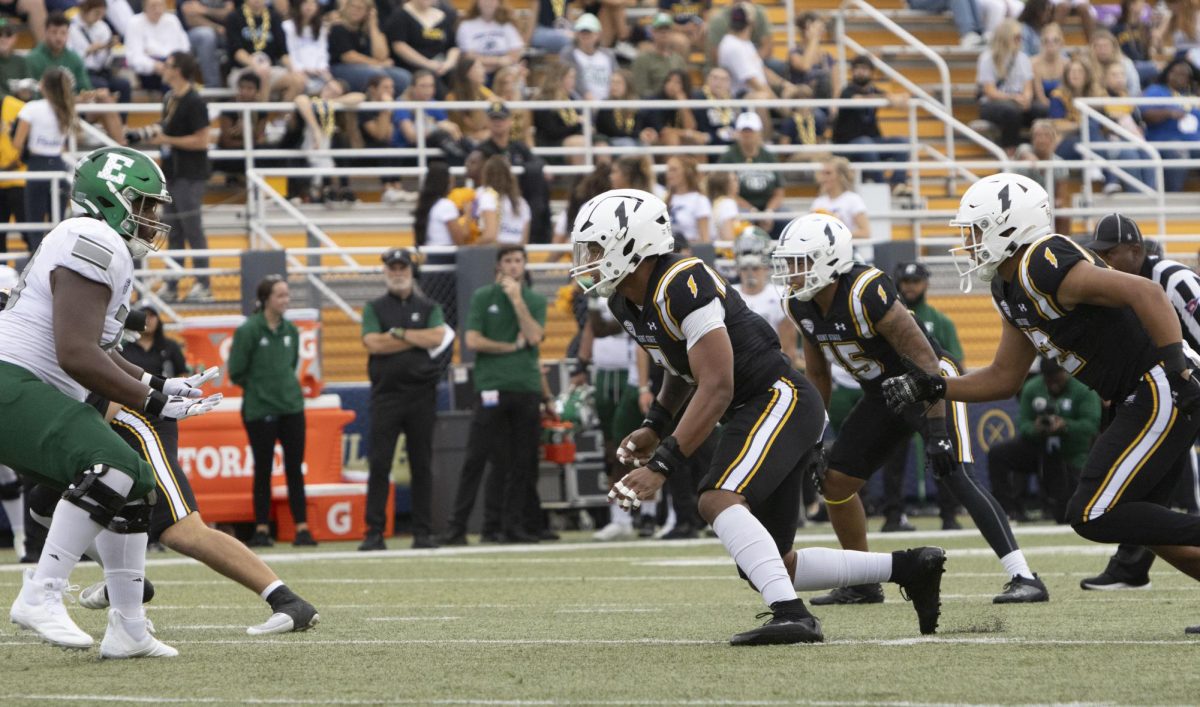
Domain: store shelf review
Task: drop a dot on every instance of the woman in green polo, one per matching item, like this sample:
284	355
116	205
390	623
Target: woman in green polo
263	361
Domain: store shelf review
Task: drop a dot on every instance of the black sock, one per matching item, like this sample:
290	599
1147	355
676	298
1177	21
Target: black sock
792	606
902	567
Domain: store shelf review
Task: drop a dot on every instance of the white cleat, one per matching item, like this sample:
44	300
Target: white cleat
48	619
614	531
94	597
118	644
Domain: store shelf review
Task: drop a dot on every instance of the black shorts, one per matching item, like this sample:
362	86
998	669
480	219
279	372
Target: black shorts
872	432
762	451
158	443
1139	456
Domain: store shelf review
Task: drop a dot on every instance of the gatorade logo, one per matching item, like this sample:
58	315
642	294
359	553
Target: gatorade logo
338	519
114	168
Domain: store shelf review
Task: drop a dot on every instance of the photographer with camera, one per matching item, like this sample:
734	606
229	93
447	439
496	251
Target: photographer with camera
1058	419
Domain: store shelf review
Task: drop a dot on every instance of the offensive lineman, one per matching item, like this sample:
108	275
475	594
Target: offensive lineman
57	336
850	313
1115	332
701	333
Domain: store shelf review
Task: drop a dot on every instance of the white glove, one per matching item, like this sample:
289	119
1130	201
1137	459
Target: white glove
178	407
189	387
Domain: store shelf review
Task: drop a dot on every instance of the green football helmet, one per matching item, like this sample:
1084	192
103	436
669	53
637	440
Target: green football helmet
125	189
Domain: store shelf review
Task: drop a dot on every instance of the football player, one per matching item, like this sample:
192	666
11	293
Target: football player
1115	332
752	254
727	360
850	313
58	333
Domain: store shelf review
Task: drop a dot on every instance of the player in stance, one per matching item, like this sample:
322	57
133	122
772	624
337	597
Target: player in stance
57	335
727	360
850	313
1115	332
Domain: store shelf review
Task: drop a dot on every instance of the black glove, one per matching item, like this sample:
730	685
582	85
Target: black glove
913	387
816	463
939	452
1184	391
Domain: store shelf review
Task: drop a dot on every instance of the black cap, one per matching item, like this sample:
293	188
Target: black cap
498	110
911	271
391	256
1113	230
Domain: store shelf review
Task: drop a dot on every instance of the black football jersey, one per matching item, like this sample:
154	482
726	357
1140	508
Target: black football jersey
681	285
1106	348
846	333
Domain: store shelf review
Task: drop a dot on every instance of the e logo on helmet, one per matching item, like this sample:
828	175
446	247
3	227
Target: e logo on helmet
114	168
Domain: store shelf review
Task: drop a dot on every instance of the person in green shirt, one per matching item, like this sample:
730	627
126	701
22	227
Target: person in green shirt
758	189
52	51
1058	419
263	361
651	67
505	324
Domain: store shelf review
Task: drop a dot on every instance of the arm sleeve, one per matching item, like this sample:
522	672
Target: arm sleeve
1042	270
436	317
370	320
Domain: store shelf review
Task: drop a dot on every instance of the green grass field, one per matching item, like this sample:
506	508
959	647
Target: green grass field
635	623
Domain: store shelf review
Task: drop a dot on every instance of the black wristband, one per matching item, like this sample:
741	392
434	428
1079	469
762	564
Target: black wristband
155	402
155	382
667	458
659	419
1173	358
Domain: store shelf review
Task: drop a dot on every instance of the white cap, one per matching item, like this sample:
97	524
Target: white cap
587	22
748	121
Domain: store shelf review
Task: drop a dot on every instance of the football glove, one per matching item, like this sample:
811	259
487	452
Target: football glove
913	387
1184	391
184	387
177	407
939	452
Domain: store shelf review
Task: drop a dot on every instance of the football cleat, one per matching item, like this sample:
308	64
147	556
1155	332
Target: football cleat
48	619
1020	590
294	615
1106	582
790	622
372	542
897	524
924	588
118	644
96	595
614	531
857	594
1192	630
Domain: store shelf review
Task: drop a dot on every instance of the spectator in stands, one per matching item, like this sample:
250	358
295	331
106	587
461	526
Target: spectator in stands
1049	64
263	360
717	120
1185	26
467	83
31	12
255	42
559	127
673	126
421	36
1140	31
1036	15
12	192
738	55
436	220
691	211
378	130
437	120
652	65
760	33
758	189
552	32
231	129
593	64
52	51
835	182
722	189
994	12
613	27
41	135
1105	52
860	126
1005	78
590	186
509	85
205	24
120	12
965	13
1043	147
317	124
488	34
635	172
1128	117
152	36
90	37
621	127
13	66
463	194
505	326
1080	8
1169	122
308	43
802	126
809	63
532	180
691	23
502	214
1057	421
401	330
1078	82
358	49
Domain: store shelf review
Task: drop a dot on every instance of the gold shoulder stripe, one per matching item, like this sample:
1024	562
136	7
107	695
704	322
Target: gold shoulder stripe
663	303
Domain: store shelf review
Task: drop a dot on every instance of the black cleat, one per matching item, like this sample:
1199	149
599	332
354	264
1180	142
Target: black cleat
517	536
923	584
304	539
373	541
951	523
790	623
1020	590
857	594
684	531
1195	630
423	542
453	539
897	524
260	539
1107	582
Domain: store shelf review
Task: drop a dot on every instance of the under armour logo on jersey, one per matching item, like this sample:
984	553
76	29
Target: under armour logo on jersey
416	316
652	326
839	326
1022	308
114	168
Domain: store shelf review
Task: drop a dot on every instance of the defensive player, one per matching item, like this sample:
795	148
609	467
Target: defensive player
850	313
57	335
1115	332
727	359
752	254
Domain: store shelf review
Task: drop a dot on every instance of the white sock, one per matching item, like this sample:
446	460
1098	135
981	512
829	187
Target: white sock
650	508
824	568
71	531
616	516
754	551
1015	564
270	588
124	558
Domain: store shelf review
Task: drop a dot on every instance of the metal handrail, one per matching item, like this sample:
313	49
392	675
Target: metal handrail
1087	112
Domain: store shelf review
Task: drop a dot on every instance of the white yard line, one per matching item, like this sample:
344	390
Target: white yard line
487	702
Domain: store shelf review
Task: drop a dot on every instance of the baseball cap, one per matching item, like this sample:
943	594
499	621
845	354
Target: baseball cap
1113	230
498	110
738	18
748	121
391	256
911	271
587	22
662	20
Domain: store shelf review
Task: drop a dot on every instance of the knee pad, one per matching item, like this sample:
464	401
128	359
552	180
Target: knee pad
101	502
135	516
10	491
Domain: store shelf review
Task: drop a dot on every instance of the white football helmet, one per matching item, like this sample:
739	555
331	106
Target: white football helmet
752	249
997	216
613	233
818	247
